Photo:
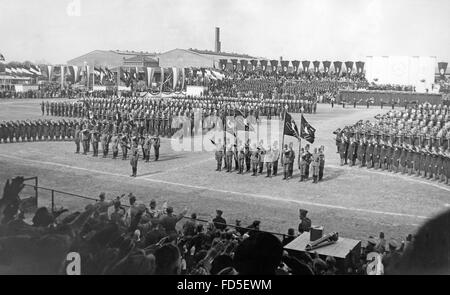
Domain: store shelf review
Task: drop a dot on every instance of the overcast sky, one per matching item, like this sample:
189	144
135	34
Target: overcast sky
59	30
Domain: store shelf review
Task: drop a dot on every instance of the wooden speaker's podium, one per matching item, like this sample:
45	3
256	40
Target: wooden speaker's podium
345	251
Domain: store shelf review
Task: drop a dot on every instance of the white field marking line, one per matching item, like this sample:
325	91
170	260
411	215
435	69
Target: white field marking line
225	191
404	177
176	169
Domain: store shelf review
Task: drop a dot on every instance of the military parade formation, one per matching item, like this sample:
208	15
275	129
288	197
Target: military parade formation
252	158
415	141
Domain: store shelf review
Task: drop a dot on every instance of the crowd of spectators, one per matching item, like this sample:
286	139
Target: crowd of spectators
113	238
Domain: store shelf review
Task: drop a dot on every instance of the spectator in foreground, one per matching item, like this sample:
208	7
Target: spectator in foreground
260	254
168	260
219	222
169	221
429	252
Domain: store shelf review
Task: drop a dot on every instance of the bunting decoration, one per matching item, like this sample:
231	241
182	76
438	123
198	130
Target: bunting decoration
274	65
223	64
295	64
284	66
244	64
349	66
316	65
234	63
326	66
254	64
442	66
305	65
263	64
359	67
337	67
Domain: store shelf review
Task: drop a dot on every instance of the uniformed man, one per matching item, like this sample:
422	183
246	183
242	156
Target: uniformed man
308	158
321	161
77	138
268	159
85	139
95	138
248	155
134	157
115	139
124	146
275	158
286	161
241	159
146	147
315	165
156	144
292	159
255	160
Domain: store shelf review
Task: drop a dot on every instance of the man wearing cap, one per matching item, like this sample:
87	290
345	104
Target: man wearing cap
219	222
170	220
156	145
134	158
102	207
305	222
255	160
241	159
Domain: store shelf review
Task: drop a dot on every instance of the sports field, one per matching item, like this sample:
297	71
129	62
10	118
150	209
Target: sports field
355	202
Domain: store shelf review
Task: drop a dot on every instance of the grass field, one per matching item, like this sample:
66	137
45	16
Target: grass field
355	202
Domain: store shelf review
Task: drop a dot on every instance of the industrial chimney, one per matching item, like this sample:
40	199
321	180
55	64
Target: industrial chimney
217	43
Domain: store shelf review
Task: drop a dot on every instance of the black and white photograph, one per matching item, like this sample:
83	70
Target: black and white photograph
224	138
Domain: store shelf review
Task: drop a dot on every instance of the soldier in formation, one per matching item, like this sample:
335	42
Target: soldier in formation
415	141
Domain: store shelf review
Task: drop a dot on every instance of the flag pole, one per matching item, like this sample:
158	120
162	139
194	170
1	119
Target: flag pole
224	122
299	136
282	139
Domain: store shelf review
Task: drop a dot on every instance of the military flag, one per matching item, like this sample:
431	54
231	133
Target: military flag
241	122
290	127
307	131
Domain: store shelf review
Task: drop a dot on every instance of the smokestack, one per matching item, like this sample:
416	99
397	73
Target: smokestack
217	43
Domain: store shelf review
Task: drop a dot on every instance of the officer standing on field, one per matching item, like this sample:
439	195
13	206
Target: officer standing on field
156	145
134	157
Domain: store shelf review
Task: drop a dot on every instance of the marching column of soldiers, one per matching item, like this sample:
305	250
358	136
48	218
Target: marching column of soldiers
415	141
252	158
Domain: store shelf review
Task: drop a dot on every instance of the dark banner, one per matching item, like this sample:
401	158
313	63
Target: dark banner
337	67
244	64
316	65
305	65
442	68
359	67
326	66
274	65
349	66
263	64
234	62
284	66
295	64
223	64
254	64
